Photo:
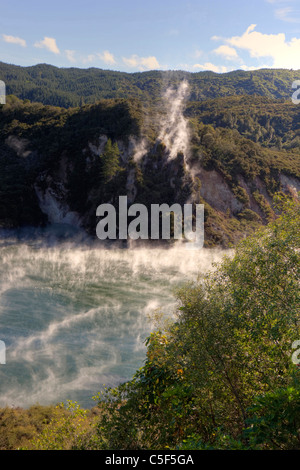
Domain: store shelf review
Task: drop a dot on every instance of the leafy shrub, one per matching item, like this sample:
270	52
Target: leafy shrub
230	345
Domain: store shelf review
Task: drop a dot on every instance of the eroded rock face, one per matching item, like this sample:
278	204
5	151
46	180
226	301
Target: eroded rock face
290	184
217	192
148	175
52	194
52	188
252	203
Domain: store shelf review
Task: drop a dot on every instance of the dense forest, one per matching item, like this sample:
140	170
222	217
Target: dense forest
71	87
243	145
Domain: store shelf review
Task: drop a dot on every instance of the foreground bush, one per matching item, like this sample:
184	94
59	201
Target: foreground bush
221	375
70	428
19	426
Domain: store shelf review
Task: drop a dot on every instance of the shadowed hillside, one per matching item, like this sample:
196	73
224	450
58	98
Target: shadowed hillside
239	151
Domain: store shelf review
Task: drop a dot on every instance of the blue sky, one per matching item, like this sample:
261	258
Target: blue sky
138	35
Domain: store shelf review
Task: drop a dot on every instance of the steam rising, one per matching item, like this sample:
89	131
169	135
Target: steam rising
74	317
140	150
174	127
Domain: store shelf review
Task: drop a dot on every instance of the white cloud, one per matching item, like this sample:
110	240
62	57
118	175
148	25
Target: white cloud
89	58
248	68
70	55
14	40
287	14
48	43
282	53
211	67
107	58
284	11
229	53
133	61
142	63
217	38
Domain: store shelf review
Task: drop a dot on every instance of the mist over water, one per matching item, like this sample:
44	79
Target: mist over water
74	314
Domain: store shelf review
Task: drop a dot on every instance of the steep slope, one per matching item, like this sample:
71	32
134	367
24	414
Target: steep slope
232	154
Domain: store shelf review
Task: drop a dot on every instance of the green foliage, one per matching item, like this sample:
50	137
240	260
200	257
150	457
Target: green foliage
241	195
272	123
273	424
234	156
34	139
71	87
263	204
248	214
70	428
230	345
219	377
19	426
110	160
48	146
275	420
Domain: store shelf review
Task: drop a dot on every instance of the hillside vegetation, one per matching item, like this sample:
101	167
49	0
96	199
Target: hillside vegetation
243	149
70	87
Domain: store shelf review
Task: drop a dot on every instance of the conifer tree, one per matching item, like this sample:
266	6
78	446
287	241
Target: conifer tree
110	160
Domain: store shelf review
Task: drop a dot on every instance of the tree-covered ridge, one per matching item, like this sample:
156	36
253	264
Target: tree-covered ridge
271	123
247	144
234	154
69	87
33	138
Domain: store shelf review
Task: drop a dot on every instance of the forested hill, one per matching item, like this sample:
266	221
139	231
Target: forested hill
71	139
69	87
56	164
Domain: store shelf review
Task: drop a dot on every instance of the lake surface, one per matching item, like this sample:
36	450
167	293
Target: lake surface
74	313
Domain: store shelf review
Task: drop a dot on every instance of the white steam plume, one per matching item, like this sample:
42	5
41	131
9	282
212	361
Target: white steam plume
174	127
141	148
